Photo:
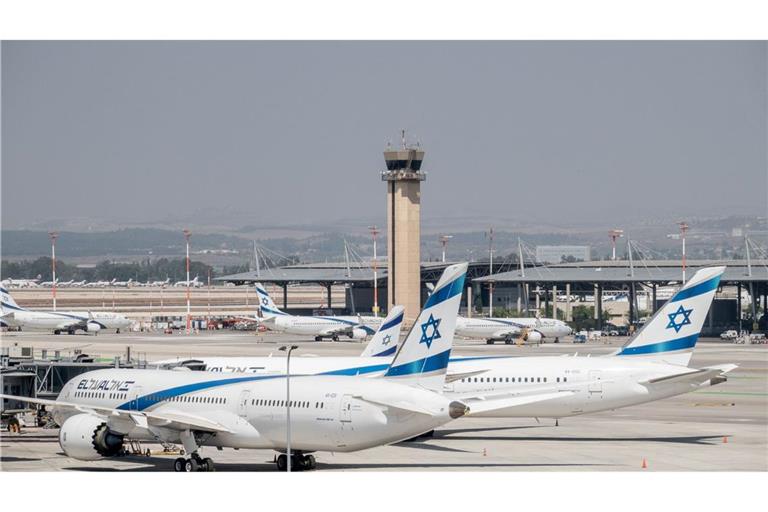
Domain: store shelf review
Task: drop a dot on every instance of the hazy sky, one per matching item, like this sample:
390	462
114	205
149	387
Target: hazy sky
533	131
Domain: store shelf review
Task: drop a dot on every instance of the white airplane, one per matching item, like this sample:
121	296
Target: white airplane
100	284
20	283
122	284
99	410
356	327
59	284
383	344
653	365
11	314
160	284
509	330
193	283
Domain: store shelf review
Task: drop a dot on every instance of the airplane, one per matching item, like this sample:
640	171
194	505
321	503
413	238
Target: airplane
532	330
13	315
99	284
122	284
193	283
99	410
651	366
382	345
159	284
20	283
59	284
321	327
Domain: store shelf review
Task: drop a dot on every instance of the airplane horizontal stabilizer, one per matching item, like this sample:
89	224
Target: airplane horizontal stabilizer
481	405
404	406
694	375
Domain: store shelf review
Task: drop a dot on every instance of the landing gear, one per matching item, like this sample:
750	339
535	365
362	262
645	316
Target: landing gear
557	340
299	462
335	338
117	331
71	333
194	463
489	342
56	332
508	341
318	338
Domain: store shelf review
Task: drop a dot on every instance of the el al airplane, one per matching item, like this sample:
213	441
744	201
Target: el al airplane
531	330
653	365
356	327
383	344
99	410
13	315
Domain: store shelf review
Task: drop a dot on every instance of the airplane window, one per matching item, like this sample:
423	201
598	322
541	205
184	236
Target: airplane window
558	379
538	379
526	379
565	379
545	379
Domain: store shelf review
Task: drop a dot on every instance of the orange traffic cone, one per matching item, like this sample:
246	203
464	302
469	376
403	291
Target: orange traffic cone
725	439
644	465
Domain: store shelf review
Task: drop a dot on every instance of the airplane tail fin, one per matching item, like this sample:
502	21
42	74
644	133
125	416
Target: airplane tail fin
671	334
267	305
384	342
422	359
7	302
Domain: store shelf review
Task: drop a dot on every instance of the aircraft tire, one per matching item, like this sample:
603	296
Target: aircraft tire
282	462
178	464
191	465
489	342
208	464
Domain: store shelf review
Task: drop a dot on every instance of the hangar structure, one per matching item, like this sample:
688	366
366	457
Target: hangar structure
582	278
596	277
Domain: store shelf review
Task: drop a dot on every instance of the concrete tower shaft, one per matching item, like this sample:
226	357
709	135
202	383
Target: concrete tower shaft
404	177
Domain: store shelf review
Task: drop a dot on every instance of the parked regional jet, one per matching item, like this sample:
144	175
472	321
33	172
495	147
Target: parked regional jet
99	410
651	366
532	330
193	283
123	284
383	344
13	315
356	327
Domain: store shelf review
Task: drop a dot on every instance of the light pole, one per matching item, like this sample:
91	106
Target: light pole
683	229
444	242
375	231
187	234
54	235
490	271
289	349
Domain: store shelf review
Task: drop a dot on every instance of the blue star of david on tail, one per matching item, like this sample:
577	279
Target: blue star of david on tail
386	340
265	301
435	335
673	318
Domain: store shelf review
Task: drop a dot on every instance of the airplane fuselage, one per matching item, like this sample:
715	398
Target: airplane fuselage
327	413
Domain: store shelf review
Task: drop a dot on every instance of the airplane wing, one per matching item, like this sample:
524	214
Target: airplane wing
481	404
508	331
341	329
169	418
694	375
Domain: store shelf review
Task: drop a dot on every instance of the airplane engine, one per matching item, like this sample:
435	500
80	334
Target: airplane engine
92	327
533	336
86	437
358	334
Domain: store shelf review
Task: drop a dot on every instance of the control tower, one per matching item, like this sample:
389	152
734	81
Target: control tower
404	177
